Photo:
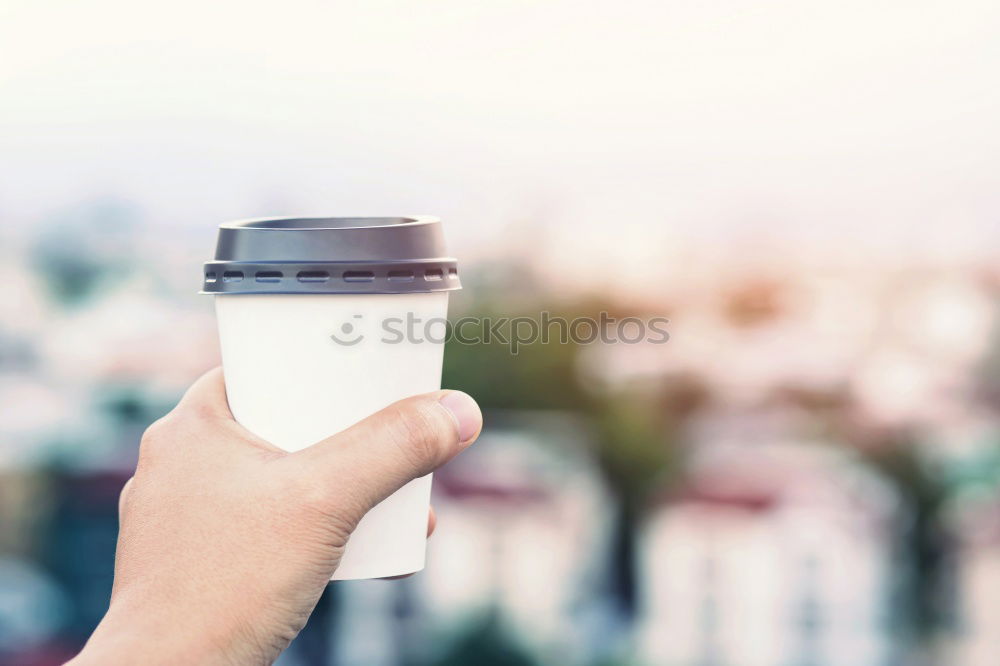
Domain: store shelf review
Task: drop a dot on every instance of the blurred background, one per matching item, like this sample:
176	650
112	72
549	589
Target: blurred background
808	473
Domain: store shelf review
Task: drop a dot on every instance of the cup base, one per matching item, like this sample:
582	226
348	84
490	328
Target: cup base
406	571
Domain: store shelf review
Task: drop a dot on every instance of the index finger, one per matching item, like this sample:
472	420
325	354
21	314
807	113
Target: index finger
207	396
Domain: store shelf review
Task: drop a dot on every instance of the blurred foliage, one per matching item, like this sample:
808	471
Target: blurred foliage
637	429
539	376
81	248
486	644
925	545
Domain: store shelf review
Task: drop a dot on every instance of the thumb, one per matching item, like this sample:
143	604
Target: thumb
369	461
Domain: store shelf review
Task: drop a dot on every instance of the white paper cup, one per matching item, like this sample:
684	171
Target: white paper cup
300	367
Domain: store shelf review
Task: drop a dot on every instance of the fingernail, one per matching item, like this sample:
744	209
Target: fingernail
466	413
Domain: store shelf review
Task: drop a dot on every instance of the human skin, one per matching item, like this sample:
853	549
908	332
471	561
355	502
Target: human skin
226	542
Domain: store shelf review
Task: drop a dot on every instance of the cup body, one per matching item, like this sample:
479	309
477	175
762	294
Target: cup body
302	367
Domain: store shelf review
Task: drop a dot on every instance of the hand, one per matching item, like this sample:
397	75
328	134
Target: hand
226	542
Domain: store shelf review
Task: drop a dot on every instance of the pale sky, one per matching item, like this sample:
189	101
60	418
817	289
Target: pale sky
624	132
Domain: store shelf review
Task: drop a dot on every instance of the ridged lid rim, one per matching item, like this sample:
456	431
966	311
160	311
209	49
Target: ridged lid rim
336	255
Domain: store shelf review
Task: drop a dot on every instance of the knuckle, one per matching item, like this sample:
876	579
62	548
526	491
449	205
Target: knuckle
423	433
155	439
196	411
177	430
123	495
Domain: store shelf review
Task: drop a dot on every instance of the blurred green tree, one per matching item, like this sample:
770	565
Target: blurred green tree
637	430
82	247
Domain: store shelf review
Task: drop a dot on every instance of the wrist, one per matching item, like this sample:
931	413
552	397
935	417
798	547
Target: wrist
125	636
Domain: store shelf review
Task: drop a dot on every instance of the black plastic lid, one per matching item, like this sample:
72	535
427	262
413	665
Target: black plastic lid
331	255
